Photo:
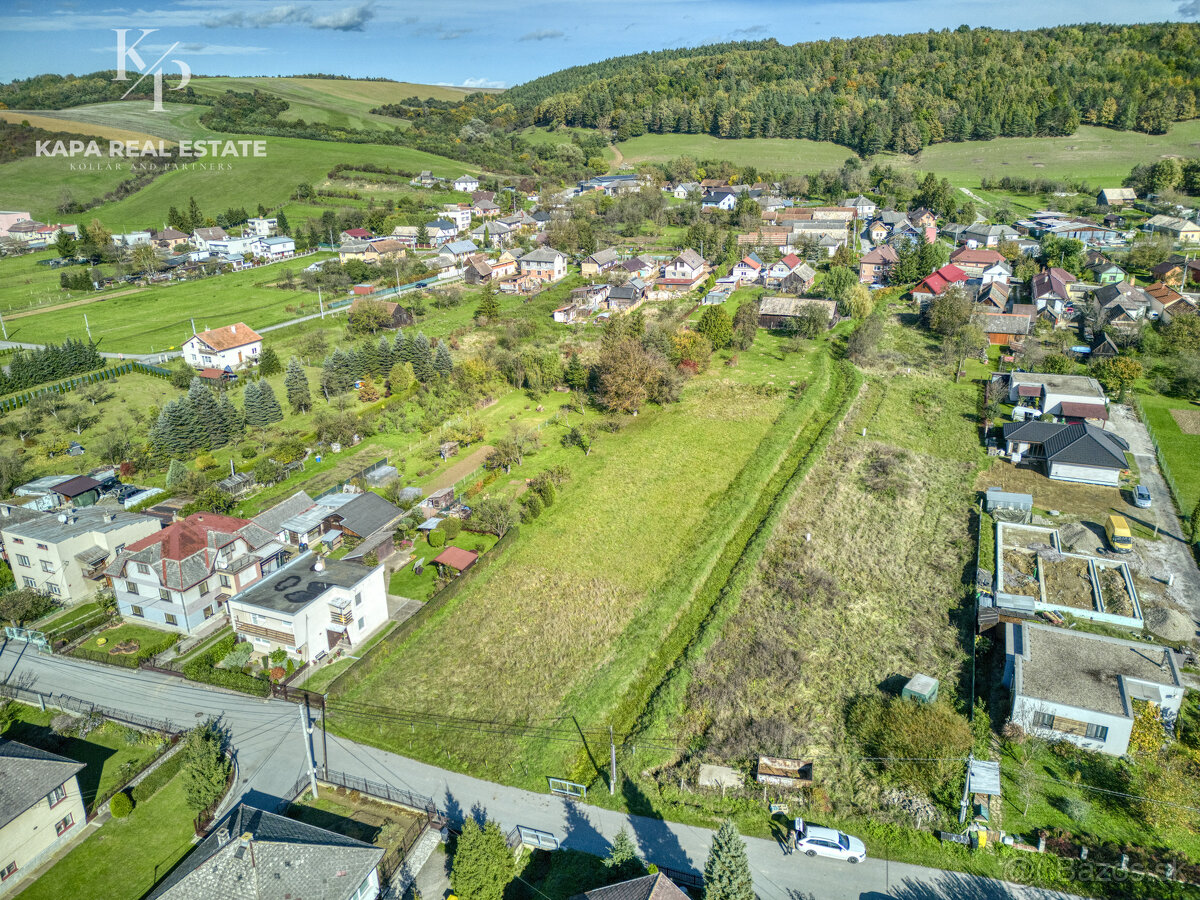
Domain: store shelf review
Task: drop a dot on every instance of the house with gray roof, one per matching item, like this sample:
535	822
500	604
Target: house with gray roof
273	519
64	554
311	606
649	887
41	808
258	855
1069	451
1086	688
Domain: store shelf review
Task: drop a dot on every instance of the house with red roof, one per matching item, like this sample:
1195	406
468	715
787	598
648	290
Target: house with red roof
182	576
935	284
229	347
355	234
748	270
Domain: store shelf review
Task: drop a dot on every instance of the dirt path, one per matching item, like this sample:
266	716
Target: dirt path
464	466
620	157
84	302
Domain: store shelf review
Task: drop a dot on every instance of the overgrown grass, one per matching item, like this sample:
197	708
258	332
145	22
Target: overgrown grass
1180	451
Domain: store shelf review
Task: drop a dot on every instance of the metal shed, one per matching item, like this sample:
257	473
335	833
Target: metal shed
1009	506
922	688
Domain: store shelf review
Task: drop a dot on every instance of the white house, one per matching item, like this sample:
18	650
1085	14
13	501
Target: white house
466	183
231	346
131	239
544	264
311	606
1084	688
687	266
1000	272
41	808
725	200
202	236
181	577
279	247
748	270
459	215
63	554
233	246
262	227
1052	391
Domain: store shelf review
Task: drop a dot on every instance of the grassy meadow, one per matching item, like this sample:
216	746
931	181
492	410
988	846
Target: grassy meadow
1180	451
1100	155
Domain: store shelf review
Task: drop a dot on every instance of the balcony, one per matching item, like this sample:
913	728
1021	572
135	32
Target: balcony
279	637
341	616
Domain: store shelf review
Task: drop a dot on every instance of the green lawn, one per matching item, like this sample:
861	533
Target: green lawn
405	583
125	858
1096	154
65	618
112	753
127	631
160	317
26	285
1180	451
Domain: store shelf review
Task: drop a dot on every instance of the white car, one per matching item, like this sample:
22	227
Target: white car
814	840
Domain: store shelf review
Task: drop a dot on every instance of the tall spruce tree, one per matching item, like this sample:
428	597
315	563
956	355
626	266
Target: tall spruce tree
295	383
727	871
195	218
400	349
177	433
252	406
231	420
271	411
442	363
384	352
177	474
422	361
268	363
204	408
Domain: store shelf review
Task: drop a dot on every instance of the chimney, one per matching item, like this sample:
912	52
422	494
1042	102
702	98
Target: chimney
233	329
222	836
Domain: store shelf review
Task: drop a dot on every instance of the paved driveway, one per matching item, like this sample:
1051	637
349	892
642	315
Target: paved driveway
1171	555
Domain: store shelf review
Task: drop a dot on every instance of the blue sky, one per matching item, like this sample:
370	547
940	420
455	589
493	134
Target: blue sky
476	42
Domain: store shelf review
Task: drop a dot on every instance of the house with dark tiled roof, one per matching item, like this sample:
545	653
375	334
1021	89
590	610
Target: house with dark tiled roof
41	808
1069	451
258	855
649	887
182	576
1051	289
876	264
599	262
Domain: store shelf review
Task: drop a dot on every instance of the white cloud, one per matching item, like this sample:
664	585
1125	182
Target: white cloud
481	83
352	18
549	34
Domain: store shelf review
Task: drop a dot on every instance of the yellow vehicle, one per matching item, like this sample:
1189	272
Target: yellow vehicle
1120	538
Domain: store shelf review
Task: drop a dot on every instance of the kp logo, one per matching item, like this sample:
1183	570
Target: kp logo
155	69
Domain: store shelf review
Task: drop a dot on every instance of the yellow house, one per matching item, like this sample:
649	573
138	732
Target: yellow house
41	807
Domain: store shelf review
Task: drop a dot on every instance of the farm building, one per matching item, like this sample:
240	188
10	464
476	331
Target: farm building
783	312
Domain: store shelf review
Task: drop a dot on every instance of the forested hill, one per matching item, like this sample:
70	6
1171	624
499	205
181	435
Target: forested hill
886	92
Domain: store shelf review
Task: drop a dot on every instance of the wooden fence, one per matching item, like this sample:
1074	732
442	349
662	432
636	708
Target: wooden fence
79	381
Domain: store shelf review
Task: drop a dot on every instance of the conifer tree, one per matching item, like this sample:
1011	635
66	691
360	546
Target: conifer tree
442	363
400	350
252	404
269	364
295	383
368	393
483	864
488	308
176	475
623	862
422	361
727	871
204	408
177	433
383	352
231	420
271	411
576	375
195	218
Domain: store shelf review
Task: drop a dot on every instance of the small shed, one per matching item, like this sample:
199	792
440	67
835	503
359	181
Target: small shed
1009	506
237	484
363	290
456	558
784	772
382	476
983	777
429	525
441	499
447	449
922	688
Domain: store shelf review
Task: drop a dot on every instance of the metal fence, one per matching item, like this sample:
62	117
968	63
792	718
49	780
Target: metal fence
79	381
360	474
67	703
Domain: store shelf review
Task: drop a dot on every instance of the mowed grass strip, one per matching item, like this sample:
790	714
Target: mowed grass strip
1181	451
549	614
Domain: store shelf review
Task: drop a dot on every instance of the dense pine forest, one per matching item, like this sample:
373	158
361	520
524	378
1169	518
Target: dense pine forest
885	92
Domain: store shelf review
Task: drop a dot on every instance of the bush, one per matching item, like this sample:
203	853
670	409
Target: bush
437	539
1076	809
546	490
121	805
249	453
533	506
203	669
904	730
150	785
452	527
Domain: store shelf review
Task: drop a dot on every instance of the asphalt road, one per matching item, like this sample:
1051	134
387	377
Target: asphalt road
270	752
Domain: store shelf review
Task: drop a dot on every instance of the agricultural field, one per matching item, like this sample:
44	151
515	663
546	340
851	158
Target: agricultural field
1093	154
176	121
58	123
1180	449
595	635
26	286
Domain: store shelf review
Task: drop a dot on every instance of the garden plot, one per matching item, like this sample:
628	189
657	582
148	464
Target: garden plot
1092	588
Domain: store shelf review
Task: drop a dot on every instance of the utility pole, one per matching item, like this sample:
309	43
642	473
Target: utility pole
87	326
612	764
320	303
306	736
3	327
324	737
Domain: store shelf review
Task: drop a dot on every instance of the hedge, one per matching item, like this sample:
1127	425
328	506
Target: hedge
127	660
77	631
121	805
150	785
203	669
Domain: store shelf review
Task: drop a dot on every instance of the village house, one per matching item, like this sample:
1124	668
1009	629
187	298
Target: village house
922	218
876	265
994	297
1052	289
864	208
477	269
1086	688
41	808
63	554
258	855
935	284
398	316
168	239
626	297
1104	271
460	250
133	239
877	232
466	183
1073	451
262	226
799	281
598	263
182	576
684	190
781	269
1116	197
459	214
981	235
1122	305
722	198
9	218
590	297
973	261
202	237
230	347
684	271
748	270
1059	395
1166	302
360	250
275	248
311	606
545	265
492	234
1182	230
